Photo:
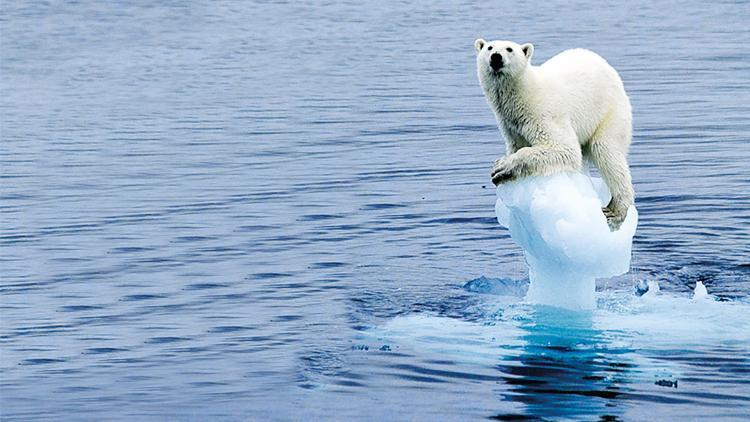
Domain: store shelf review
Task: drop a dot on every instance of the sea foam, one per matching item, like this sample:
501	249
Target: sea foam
558	221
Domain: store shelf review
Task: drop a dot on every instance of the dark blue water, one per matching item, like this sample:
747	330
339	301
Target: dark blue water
270	211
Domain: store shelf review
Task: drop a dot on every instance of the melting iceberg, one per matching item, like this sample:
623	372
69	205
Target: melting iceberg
558	222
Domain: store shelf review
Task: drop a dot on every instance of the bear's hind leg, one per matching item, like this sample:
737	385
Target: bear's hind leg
608	151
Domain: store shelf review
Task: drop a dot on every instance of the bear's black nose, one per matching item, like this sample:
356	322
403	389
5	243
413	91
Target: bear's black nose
496	61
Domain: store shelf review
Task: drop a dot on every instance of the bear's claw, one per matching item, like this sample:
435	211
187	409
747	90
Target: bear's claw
501	172
614	218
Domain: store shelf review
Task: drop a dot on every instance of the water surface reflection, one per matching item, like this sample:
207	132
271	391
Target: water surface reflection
567	368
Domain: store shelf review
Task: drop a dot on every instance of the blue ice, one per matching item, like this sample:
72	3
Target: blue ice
558	221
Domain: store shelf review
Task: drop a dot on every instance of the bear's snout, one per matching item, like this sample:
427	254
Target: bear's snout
496	61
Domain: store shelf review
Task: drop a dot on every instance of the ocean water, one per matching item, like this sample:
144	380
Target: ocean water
278	210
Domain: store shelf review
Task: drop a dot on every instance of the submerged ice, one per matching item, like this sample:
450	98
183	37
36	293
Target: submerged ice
558	221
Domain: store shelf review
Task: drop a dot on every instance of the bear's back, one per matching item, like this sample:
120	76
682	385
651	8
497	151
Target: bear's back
576	61
581	73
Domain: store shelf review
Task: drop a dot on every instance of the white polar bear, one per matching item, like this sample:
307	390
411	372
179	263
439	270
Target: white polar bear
572	107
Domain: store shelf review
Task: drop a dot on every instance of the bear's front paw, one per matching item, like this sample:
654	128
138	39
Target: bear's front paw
615	216
502	171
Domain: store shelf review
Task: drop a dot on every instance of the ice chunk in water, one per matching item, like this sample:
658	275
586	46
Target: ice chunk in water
558	221
700	292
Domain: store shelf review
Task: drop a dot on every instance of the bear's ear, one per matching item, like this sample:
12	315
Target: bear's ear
528	50
479	43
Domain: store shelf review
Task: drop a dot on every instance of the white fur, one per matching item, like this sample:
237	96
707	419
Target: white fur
553	116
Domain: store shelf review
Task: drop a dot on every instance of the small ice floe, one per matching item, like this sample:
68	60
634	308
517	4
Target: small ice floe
497	286
700	292
558	221
647	288
666	383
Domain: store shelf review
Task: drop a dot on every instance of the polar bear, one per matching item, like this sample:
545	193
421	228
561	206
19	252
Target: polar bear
553	116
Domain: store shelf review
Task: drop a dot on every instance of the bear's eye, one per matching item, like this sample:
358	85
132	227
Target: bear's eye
509	50
489	48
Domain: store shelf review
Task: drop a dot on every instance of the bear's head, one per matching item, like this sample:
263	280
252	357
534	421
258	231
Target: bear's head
502	58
